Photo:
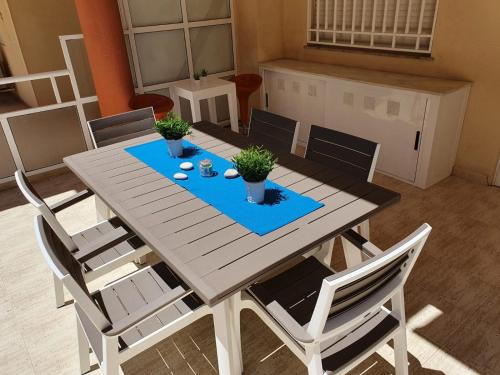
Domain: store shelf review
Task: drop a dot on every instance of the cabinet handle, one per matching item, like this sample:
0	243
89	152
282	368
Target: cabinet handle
267	100
417	141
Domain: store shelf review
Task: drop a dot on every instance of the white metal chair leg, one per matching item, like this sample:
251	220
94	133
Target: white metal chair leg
364	229
59	291
313	359
83	348
400	343
111	363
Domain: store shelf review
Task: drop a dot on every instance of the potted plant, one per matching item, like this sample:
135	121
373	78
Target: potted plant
254	164
196	77
173	129
204	75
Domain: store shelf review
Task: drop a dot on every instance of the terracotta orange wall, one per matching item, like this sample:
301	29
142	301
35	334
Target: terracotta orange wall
466	47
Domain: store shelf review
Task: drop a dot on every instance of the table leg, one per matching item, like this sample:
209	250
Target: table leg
195	110
228	357
212	110
175	99
233	110
102	211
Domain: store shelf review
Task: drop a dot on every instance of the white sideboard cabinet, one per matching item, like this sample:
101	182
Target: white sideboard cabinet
417	120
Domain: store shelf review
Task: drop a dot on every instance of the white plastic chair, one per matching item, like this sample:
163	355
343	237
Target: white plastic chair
125	317
334	321
99	249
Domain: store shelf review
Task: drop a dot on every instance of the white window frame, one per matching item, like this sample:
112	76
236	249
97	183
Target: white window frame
369	29
130	32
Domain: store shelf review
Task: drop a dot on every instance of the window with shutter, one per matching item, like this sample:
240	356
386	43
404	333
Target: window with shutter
405	26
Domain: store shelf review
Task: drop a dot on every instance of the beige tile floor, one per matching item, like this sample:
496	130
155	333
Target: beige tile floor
453	303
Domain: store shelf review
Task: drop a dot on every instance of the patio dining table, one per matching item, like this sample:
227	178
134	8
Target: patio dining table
215	255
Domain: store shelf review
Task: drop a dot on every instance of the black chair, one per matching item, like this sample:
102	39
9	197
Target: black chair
356	156
353	155
277	132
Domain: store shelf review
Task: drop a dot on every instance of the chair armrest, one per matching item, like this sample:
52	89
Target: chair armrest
105	242
145	312
289	323
361	243
68	202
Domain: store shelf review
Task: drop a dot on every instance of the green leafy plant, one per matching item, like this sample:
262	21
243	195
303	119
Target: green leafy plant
196	76
204	73
254	163
172	127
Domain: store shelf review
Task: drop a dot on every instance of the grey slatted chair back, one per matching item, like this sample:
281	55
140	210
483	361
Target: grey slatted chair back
113	129
277	132
67	269
353	155
349	296
36	200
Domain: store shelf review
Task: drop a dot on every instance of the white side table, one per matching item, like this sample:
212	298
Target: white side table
207	89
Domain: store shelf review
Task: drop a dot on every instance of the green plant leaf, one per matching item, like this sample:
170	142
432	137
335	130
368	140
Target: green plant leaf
254	163
172	127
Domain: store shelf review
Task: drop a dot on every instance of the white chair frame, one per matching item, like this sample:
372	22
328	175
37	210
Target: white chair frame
49	215
307	341
112	356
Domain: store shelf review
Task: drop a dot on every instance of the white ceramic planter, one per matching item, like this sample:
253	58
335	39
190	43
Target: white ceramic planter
256	191
175	147
197	82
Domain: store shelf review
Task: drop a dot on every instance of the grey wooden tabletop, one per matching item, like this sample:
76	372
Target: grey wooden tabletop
213	254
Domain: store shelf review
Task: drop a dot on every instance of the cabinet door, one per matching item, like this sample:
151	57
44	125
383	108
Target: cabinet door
297	97
394	118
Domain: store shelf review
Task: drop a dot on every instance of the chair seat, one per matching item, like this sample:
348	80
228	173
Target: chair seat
358	342
93	233
296	289
132	293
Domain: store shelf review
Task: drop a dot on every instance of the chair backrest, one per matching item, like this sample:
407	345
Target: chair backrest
67	269
354	155
124	126
276	131
36	200
347	297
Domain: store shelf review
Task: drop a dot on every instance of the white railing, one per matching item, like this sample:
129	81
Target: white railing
78	102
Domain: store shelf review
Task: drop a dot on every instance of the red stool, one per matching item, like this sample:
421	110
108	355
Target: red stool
246	85
162	105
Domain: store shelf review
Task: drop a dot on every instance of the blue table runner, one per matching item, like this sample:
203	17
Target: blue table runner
281	205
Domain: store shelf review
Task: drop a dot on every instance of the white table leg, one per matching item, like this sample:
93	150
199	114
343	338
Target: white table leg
227	356
364	229
195	110
212	110
102	211
233	110
236	326
177	103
